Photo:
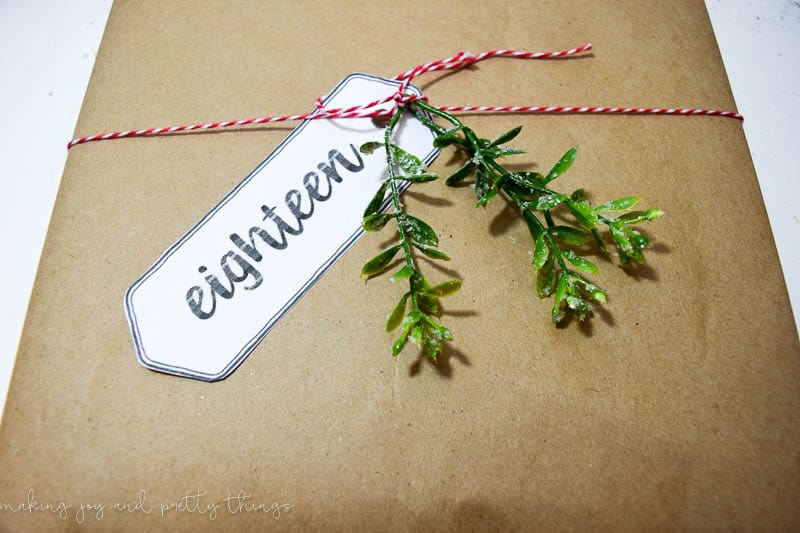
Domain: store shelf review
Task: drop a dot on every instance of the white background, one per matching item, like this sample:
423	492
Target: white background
48	50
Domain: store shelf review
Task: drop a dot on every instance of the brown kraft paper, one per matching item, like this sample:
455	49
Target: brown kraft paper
675	407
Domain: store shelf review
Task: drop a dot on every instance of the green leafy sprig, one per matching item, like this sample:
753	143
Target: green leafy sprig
561	271
422	300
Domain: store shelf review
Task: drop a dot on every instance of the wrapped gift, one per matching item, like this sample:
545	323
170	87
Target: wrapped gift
675	407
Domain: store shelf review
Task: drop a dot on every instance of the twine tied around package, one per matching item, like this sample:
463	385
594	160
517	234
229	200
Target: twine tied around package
401	98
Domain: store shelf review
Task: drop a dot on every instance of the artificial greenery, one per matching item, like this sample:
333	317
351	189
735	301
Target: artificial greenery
560	270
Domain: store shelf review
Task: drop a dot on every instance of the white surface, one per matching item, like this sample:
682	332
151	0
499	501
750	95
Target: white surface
760	41
46	58
49	49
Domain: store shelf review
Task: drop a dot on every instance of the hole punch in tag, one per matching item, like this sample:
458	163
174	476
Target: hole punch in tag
209	299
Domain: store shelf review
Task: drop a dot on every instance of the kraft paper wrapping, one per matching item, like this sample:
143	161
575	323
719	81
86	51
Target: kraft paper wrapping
674	408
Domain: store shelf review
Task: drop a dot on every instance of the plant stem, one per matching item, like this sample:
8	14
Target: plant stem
545	235
439	113
493	171
398	209
431	125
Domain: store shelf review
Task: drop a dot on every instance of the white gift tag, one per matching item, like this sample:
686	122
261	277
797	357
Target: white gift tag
212	296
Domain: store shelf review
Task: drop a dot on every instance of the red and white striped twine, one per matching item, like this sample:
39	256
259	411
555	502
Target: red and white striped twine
369	110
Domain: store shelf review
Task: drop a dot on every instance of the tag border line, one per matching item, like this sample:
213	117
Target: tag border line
250	345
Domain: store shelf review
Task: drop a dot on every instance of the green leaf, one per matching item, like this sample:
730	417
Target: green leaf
370	147
482	183
473	139
637	255
430	347
418	282
420	231
523	193
502	151
541	253
428	303
570	235
395	318
534	225
397	347
533	181
420	178
378	264
377	200
637	239
558	303
598	295
579	195
376	221
592	290
432	341
582	212
507	136
547	201
446	288
416	335
399	343
635	217
562	166
433	253
580	262
579	306
621	240
620	204
490	194
627	250
599	240
462	173
410	163
446	139
546	278
403	273
412	318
